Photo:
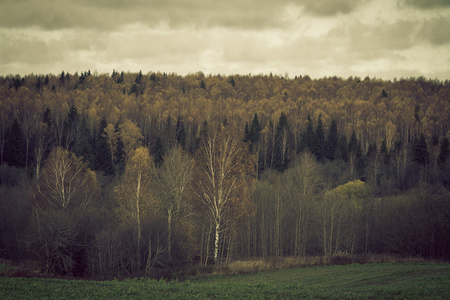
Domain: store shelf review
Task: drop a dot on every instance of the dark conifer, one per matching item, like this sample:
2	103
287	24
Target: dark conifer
444	151
14	153
332	141
319	140
181	132
420	151
158	152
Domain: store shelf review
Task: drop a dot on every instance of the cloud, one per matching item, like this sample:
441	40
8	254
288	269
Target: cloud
329	8
114	14
106	15
427	4
436	31
370	42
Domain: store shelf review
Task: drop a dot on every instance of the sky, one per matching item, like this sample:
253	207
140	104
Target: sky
385	39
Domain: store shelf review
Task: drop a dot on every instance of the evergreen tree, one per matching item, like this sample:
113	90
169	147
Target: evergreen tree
254	133
138	79
360	162
420	151
62	77
255	130
342	149
283	144
444	151
307	138
70	134
353	143
84	143
14	153
119	157
332	141
246	133
319	140
309	135
158	152
384	152
103	151
181	133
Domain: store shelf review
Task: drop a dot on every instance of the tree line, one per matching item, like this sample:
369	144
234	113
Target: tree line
115	174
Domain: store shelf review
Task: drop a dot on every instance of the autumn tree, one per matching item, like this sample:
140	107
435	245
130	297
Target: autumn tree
225	170
131	137
133	194
347	205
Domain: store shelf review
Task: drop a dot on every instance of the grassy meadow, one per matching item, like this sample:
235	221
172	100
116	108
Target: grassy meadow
355	281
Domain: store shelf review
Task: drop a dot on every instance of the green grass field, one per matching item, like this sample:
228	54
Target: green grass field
369	281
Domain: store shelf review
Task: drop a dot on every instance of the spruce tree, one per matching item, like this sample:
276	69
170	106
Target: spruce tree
103	151
158	152
342	149
255	130
254	133
14	153
420	151
319	140
309	135
332	141
283	144
180	134
444	151
70	129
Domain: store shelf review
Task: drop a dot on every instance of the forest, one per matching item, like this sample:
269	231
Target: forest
114	174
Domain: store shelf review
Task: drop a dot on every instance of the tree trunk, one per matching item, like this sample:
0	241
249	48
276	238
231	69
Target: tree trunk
138	219
169	233
216	242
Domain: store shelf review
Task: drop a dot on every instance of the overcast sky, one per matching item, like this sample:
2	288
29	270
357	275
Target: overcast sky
376	38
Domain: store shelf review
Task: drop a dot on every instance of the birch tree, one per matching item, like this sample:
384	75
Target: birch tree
66	181
225	169
173	179
133	193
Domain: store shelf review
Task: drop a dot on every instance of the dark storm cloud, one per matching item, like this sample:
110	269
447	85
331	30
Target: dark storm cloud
436	31
53	15
427	4
330	8
112	14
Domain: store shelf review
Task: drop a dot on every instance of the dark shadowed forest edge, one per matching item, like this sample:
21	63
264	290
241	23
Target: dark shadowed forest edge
131	174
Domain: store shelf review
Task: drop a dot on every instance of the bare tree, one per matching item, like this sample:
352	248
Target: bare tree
173	179
66	181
